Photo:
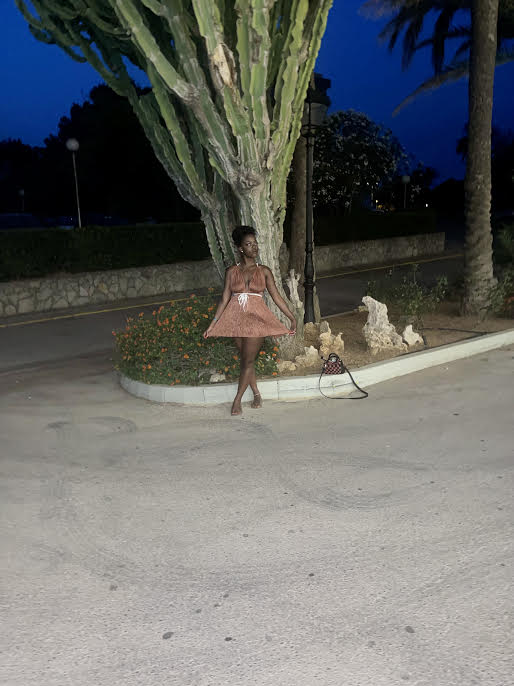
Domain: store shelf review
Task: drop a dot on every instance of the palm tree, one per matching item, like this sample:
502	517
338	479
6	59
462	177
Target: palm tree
482	45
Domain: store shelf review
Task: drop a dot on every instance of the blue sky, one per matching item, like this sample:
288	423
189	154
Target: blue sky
40	83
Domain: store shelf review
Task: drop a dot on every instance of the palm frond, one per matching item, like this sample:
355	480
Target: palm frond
441	28
453	72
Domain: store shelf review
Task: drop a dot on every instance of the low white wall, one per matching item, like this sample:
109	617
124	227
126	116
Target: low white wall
95	288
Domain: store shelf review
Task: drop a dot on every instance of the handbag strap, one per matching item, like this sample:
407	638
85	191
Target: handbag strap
345	369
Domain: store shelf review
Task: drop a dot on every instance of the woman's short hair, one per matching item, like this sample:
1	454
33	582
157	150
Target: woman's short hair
240	232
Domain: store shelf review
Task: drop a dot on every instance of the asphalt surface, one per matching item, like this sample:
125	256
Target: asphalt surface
38	338
312	543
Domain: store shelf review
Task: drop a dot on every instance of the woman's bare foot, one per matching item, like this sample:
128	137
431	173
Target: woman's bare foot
236	408
257	401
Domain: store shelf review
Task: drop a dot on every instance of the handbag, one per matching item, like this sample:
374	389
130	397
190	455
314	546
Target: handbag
335	365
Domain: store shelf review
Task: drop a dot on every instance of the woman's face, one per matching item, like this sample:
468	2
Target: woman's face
249	246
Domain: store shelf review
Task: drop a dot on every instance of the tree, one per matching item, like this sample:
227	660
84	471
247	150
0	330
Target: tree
227	87
353	156
485	38
410	17
478	252
119	173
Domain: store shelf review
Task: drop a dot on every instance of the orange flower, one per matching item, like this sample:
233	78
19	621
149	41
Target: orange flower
186	357
188	309
262	352
149	366
205	316
234	357
274	374
226	369
141	314
207	362
177	380
275	349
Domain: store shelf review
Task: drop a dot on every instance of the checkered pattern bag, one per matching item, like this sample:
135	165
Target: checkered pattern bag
335	365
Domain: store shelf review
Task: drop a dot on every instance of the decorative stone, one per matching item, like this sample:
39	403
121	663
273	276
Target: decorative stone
330	343
216	378
411	337
324	327
311	330
309	359
379	333
286	366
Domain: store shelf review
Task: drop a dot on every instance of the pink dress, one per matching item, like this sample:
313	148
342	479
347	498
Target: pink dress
247	315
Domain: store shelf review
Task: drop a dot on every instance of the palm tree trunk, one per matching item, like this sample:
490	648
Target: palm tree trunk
478	269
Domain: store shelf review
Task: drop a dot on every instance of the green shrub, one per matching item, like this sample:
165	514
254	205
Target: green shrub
502	294
25	254
408	299
168	347
364	226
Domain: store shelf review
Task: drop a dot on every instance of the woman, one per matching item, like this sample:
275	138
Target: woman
243	315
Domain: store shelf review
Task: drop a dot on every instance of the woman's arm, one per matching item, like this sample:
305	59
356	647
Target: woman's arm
225	299
277	298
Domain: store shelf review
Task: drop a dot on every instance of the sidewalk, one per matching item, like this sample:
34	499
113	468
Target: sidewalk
309	544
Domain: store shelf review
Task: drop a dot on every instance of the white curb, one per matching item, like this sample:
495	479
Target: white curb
303	387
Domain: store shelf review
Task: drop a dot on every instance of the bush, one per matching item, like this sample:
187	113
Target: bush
408	299
25	254
365	226
168	347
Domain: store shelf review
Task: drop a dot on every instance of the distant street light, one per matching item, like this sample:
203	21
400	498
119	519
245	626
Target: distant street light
405	181
21	193
73	145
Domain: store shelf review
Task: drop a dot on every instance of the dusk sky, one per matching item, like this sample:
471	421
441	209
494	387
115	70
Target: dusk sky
40	83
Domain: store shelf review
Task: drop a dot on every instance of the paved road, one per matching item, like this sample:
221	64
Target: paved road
27	341
326	543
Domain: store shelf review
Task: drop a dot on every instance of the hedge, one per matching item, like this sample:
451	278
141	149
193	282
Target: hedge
25	254
365	226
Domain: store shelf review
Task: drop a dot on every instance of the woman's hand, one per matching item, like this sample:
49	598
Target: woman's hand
292	330
207	332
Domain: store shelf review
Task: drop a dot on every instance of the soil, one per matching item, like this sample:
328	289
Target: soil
444	326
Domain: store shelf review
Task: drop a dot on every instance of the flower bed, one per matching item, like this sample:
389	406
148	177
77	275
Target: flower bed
168	347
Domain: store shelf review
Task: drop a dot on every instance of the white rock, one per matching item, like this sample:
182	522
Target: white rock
379	333
215	378
331	344
411	337
324	327
286	366
309	359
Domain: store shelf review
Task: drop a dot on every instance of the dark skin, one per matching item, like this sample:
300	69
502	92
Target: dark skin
249	347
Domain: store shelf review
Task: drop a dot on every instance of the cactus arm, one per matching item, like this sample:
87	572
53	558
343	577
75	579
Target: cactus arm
253	47
317	21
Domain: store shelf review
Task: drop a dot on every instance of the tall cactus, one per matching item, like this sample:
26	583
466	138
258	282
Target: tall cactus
228	82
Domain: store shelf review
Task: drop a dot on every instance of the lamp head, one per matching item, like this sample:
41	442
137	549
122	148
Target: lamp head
72	144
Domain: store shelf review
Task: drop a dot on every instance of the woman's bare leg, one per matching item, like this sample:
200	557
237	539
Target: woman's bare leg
249	349
253	379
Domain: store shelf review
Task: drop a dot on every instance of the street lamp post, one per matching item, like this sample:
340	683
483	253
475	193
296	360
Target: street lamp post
317	103
405	181
73	145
